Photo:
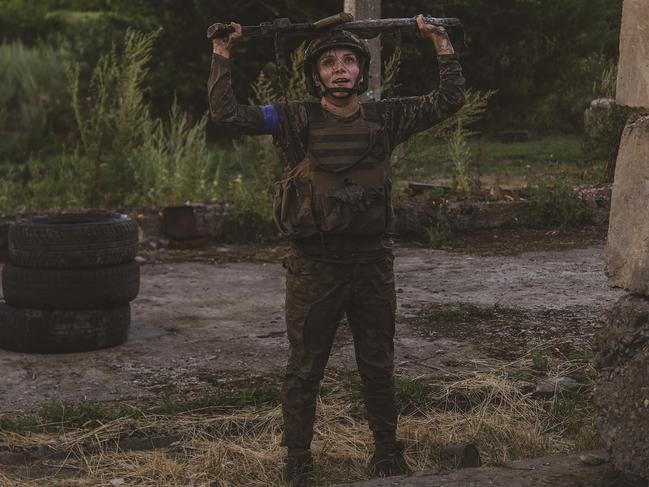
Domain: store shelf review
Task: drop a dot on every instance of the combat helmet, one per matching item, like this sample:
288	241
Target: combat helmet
332	39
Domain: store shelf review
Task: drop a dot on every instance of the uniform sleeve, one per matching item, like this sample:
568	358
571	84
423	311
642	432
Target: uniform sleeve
286	122
224	109
407	116
292	131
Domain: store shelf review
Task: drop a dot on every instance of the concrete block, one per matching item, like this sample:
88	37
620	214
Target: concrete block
633	68
621	394
627	259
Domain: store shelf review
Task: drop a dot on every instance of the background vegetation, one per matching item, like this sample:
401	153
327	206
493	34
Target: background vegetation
102	102
542	57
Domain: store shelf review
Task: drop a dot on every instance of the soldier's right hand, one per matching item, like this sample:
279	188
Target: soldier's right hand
222	45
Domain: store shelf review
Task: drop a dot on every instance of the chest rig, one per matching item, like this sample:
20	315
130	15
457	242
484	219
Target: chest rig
342	186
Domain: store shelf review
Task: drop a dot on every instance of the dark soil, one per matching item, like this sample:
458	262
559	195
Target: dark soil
559	471
512	241
507	333
500	241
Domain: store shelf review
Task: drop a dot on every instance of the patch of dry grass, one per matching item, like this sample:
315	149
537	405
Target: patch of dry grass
243	448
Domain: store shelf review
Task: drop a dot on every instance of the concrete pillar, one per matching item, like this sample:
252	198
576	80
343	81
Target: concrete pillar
633	68
622	351
627	258
622	389
369	9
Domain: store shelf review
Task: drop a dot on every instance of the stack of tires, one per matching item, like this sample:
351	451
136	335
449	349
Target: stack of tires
69	282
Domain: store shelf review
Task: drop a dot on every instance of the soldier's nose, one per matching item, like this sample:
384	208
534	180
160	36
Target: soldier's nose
339	67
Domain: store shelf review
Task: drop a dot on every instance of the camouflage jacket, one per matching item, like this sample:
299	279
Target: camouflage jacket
402	117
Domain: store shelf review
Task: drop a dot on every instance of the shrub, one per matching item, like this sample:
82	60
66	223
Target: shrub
455	129
556	205
604	124
124	156
34	101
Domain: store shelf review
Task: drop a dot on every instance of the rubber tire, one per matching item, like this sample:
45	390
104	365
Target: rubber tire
96	287
62	331
73	240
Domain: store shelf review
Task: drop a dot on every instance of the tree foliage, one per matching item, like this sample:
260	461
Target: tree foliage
541	55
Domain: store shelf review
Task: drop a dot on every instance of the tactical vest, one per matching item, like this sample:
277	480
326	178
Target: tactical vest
342	186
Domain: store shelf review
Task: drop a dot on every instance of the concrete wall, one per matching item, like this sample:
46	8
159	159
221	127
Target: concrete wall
633	70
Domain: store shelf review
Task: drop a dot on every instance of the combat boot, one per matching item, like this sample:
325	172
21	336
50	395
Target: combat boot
298	471
388	460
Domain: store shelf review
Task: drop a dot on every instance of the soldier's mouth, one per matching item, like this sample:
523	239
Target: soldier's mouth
341	80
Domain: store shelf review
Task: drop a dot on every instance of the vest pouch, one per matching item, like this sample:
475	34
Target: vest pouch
292	208
352	210
342	185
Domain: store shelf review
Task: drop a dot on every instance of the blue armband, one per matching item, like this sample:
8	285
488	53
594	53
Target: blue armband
271	119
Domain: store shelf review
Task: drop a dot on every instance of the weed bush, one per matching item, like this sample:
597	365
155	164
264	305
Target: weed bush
127	156
425	145
124	155
556	205
246	177
460	155
34	100
604	125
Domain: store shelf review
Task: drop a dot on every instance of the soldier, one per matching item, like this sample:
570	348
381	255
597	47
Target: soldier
334	205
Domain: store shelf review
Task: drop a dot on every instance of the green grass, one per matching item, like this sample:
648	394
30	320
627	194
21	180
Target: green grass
233	398
414	395
60	416
508	164
541	359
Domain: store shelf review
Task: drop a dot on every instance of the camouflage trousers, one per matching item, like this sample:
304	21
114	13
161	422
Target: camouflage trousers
317	296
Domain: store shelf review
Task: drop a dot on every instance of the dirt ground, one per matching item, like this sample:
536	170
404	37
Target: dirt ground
205	317
564	471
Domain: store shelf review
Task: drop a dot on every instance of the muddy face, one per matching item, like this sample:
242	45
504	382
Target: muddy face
338	68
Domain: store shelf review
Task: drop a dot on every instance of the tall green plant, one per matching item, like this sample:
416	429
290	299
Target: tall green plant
174	164
391	69
455	130
556	205
114	120
124	156
605	124
266	87
34	100
460	155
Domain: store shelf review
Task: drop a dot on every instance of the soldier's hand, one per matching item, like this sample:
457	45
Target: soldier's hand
222	45
437	35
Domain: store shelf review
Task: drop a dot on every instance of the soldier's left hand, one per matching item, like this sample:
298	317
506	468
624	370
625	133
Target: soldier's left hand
436	34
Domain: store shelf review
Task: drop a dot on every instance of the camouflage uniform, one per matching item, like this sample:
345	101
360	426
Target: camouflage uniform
329	275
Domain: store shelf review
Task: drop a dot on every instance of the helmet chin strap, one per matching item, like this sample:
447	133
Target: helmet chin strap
324	90
346	91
